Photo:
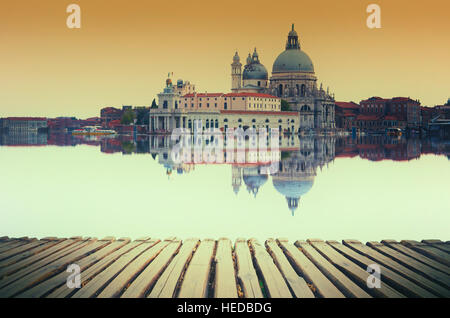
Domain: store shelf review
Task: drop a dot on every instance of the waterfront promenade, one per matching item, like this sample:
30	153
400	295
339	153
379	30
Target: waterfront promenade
194	268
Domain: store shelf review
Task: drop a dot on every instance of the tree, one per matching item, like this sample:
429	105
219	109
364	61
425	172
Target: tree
285	107
128	117
154	104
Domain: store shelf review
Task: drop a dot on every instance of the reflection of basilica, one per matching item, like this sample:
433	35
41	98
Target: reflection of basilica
296	171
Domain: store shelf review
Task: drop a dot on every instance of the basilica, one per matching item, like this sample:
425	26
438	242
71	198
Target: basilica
293	79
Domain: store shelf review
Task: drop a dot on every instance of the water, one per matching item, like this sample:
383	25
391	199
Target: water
368	188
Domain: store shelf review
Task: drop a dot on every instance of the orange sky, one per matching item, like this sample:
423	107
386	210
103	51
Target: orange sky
125	49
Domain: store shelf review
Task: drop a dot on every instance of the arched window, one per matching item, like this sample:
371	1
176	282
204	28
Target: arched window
303	90
207	123
298	89
305	108
280	90
225	120
217	123
239	120
267	120
253	120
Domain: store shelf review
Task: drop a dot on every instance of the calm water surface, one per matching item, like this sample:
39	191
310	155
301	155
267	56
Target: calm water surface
367	188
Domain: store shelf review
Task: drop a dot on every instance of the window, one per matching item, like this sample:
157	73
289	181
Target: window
165	105
225	105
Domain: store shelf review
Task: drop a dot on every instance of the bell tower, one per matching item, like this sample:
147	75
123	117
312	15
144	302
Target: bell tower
236	73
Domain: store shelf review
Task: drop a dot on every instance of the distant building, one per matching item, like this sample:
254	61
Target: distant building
23	124
346	113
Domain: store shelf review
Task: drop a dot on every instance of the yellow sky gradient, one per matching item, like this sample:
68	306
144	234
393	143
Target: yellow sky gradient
124	50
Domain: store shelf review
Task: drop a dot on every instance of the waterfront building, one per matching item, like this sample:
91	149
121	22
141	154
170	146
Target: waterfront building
345	114
23	124
255	100
219	110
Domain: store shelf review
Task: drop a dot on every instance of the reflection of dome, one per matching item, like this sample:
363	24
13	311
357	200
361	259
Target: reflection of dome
255	71
292	190
253	179
293	61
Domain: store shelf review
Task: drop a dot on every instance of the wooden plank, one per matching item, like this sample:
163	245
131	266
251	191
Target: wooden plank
145	281
412	264
13	244
46	286
418	256
17	270
429	251
95	285
51	268
296	283
21	256
353	270
310	272
438	244
196	279
400	269
345	285
167	284
273	280
20	249
400	283
246	273
117	285
89	273
225	278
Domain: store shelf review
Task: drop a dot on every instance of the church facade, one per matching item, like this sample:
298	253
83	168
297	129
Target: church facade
293	79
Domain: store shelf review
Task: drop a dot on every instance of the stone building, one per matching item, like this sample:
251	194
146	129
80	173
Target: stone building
293	79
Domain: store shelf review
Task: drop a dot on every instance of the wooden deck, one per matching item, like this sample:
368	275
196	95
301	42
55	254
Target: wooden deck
193	268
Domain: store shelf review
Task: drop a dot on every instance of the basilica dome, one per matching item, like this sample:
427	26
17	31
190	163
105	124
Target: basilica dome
293	60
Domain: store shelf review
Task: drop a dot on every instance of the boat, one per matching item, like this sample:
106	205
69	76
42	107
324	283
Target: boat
93	130
394	132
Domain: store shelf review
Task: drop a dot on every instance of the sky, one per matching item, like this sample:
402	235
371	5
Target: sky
124	49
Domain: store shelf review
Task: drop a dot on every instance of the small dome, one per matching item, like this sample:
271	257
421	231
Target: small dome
293	61
255	71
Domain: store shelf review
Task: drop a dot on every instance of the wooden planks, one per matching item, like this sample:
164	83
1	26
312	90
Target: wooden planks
273	280
296	283
438	244
148	267
95	286
418	256
246	273
400	269
195	283
412	264
225	278
167	284
311	273
39	274
429	251
89	273
148	277
345	285
60	279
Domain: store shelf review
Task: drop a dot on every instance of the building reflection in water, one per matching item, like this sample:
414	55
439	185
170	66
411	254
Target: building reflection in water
297	158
